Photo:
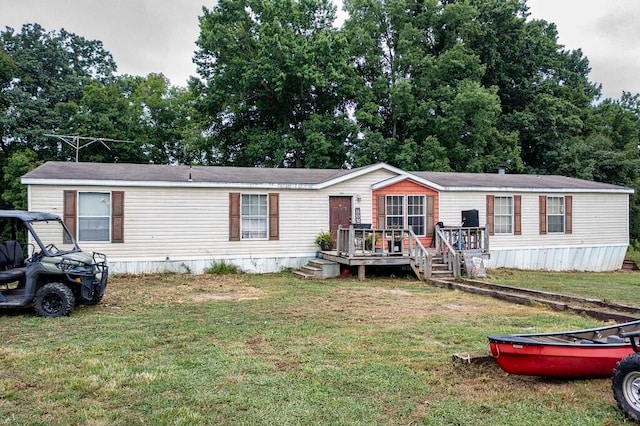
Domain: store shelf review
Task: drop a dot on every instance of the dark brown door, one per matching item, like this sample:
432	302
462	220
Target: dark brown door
339	214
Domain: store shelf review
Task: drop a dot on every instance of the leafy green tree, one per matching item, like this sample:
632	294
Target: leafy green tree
49	73
277	83
145	113
15	195
423	105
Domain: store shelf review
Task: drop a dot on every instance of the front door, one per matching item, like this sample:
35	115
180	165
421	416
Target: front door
339	214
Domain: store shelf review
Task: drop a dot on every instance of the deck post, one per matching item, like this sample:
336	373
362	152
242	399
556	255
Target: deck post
361	269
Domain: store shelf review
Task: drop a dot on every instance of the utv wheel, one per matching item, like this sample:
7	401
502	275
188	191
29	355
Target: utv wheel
626	386
97	298
54	300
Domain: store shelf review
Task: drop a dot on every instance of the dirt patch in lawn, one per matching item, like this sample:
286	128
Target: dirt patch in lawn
178	289
395	306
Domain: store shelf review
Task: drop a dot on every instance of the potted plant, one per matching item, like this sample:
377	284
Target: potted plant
325	240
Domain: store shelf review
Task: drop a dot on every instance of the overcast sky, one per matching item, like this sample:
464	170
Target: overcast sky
147	36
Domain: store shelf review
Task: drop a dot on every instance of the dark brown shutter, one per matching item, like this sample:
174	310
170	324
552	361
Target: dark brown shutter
234	216
381	212
274	216
490	213
543	214
117	216
430	215
568	214
70	212
517	215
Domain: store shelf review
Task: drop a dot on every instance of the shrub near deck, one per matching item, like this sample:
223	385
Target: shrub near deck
272	349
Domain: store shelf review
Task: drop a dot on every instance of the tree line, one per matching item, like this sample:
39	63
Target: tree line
443	85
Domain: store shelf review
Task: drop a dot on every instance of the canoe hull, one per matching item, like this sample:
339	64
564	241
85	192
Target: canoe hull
577	354
574	362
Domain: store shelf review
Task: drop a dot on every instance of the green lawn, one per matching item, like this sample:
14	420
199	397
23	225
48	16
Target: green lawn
276	350
618	287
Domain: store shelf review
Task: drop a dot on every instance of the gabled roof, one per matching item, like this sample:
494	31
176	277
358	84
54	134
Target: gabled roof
495	181
124	174
61	173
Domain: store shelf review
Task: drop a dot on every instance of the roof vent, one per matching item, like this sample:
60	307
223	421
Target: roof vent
502	170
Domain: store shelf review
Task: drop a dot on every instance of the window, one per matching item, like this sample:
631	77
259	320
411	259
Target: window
415	209
254	217
416	213
94	216
395	212
555	214
503	215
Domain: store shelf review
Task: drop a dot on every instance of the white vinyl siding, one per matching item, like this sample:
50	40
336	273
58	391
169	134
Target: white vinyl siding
94	216
182	225
598	219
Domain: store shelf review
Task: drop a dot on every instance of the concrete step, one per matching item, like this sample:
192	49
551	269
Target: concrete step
302	275
319	269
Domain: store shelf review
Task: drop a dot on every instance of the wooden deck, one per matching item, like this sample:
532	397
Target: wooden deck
367	259
362	247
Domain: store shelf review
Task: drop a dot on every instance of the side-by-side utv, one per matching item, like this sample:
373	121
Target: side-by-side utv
42	265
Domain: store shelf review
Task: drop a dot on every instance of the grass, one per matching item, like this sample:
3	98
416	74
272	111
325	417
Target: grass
619	287
633	252
273	349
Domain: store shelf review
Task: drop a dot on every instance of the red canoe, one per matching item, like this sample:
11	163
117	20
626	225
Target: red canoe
579	354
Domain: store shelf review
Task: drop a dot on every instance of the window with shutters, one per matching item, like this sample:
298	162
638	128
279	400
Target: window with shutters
555	215
503	215
94	216
406	212
254	217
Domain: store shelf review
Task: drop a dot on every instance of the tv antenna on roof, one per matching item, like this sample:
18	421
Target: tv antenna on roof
79	142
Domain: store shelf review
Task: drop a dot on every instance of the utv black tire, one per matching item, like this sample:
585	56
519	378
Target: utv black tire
95	299
626	386
54	300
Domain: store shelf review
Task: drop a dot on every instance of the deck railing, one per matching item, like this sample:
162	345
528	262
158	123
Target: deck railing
362	241
451	240
354	242
463	238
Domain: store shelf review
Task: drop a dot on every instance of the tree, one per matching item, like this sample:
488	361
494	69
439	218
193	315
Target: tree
277	82
15	195
423	105
48	74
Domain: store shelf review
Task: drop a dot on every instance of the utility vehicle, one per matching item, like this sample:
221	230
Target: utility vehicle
42	265
626	380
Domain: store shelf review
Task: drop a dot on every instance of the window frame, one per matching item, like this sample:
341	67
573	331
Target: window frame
498	214
404	212
561	215
109	218
423	215
390	205
261	217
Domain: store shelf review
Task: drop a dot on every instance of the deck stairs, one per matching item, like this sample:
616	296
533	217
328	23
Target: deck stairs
439	269
319	269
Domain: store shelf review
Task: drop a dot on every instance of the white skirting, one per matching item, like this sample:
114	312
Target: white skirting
197	266
596	259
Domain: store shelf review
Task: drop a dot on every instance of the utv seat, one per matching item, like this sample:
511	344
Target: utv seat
14	253
11	257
